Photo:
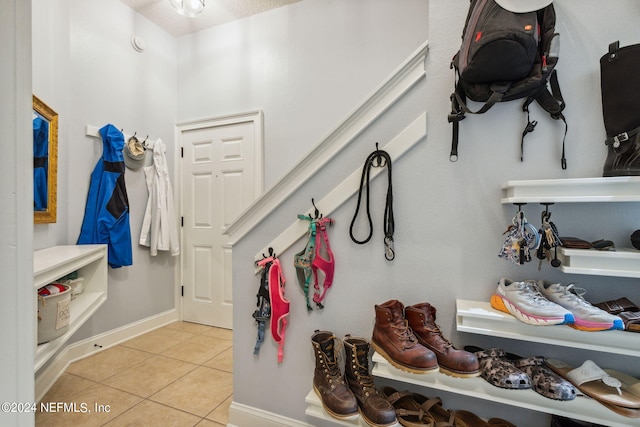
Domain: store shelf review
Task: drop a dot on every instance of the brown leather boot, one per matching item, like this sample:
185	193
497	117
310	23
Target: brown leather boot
457	363
328	381
373	406
395	341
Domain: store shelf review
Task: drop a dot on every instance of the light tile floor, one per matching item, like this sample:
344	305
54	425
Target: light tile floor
177	375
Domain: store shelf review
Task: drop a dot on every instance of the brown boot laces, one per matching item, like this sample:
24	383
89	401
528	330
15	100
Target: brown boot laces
440	337
365	379
405	333
332	369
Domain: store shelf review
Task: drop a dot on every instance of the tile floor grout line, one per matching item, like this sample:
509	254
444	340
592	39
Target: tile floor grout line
205	331
166	406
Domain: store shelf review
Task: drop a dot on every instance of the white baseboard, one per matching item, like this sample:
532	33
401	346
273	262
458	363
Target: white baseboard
47	376
246	416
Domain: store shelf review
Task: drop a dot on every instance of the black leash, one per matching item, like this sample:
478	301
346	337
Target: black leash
378	158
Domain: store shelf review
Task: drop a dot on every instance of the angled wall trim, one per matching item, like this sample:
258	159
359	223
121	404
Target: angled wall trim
395	86
399	145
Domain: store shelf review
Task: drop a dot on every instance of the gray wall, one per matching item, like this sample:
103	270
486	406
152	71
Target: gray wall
307	66
86	69
449	220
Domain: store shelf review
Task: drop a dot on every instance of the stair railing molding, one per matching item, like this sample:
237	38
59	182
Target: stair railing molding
399	82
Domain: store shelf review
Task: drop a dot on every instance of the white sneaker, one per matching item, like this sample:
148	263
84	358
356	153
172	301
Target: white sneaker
587	317
524	301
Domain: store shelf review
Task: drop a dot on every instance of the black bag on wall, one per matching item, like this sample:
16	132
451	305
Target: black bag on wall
620	86
508	52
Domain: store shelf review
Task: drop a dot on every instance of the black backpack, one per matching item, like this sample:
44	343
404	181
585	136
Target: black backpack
505	56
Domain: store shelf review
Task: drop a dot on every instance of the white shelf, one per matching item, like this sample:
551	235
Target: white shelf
82	308
55	262
622	262
314	409
582	408
478	317
613	189
52	263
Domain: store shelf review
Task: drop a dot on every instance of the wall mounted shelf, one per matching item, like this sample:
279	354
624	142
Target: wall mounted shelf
582	408
478	317
619	263
55	262
613	189
314	409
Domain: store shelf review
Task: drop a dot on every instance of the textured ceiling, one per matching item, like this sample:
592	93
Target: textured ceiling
215	12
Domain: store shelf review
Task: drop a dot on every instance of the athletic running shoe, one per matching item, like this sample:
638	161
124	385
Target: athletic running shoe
587	317
524	301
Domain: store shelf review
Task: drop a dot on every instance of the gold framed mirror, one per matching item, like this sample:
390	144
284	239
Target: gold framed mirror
45	162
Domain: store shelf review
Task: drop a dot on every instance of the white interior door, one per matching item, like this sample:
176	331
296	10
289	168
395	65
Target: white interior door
221	176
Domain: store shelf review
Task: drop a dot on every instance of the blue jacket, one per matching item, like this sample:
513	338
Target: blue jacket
40	163
106	216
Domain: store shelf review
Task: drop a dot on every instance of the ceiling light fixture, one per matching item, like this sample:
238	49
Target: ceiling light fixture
188	7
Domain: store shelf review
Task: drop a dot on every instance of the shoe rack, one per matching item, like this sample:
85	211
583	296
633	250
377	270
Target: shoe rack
478	317
622	262
579	408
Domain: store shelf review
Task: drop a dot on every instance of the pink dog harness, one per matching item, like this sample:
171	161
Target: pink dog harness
279	306
326	265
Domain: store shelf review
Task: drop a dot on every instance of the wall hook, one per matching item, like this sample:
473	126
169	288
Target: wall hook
546	215
316	212
381	161
271	253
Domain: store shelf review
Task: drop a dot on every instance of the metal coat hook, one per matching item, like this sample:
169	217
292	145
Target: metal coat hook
271	252
546	215
520	213
379	158
316	212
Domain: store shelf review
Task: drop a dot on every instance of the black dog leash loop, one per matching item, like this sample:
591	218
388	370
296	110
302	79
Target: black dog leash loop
378	158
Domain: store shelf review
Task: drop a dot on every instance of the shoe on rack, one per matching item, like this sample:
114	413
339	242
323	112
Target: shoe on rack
543	380
457	363
394	339
498	371
328	381
433	406
374	408
558	421
500	422
618	306
408	412
587	317
524	301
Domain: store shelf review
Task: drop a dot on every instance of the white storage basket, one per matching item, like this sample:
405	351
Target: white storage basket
54	315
